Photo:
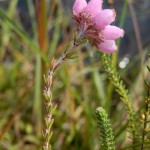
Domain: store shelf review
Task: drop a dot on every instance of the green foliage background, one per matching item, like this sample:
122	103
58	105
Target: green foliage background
78	88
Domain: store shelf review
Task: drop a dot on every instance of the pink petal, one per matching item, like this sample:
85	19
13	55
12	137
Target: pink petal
104	18
94	7
112	32
78	6
108	46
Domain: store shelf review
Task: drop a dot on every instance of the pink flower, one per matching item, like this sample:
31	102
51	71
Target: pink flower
93	23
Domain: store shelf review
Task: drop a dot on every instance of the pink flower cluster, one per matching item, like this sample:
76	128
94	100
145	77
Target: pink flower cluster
94	24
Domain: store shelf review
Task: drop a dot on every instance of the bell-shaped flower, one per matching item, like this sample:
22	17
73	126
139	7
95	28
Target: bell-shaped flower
93	23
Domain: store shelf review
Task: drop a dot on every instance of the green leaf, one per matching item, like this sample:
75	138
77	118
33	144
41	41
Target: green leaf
21	33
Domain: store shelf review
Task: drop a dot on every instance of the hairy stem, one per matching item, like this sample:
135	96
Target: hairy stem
54	66
106	132
122	91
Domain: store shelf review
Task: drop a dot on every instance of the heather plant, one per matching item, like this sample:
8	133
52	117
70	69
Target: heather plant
92	25
145	116
106	133
77	97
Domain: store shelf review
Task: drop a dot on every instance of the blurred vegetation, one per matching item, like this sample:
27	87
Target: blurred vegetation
79	86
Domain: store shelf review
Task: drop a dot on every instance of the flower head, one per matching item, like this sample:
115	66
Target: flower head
94	24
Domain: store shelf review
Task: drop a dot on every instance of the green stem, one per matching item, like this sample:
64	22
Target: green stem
146	113
121	23
106	132
37	95
115	55
122	91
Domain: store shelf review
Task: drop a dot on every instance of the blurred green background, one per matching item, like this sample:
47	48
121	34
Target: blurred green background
31	34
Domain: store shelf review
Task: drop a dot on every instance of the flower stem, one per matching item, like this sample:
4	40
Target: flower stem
49	108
